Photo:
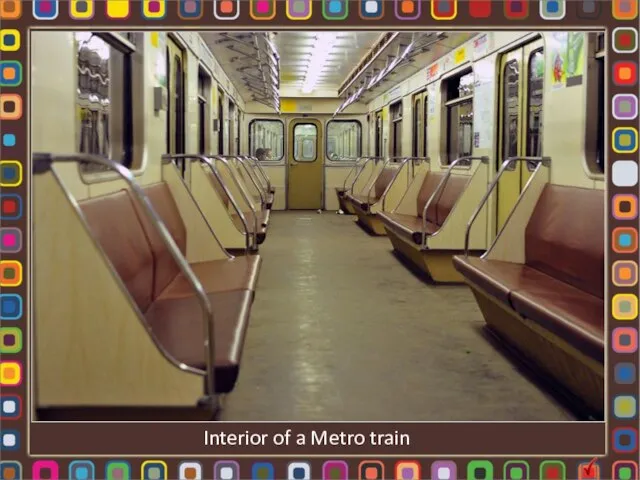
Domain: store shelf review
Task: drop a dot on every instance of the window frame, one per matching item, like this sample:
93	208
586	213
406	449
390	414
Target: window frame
250	139
315	153
595	133
358	143
447	106
90	173
395	150
531	166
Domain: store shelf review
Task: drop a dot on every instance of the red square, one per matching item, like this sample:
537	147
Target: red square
9	207
480	8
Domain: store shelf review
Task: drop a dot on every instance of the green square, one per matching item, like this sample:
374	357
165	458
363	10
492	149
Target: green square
625	473
558	468
624	406
299	7
263	472
335	473
625	307
10	273
10	340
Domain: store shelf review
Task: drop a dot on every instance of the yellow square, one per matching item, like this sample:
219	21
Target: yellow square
13	166
10	374
84	13
9	40
624	306
155	463
117	8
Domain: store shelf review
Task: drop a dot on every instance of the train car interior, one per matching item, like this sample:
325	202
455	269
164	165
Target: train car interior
300	225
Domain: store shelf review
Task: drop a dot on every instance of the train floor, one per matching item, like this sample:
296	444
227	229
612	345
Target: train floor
341	330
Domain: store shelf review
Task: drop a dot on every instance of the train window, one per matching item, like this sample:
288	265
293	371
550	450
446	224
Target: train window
535	90
344	140
417	126
458	93
232	123
204	84
510	110
220	123
378	133
305	137
396	129
267	134
425	122
105	65
594	138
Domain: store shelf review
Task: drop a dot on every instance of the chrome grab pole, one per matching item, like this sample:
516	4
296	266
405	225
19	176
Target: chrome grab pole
204	159
353	170
243	193
545	161
263	200
440	189
256	163
368	159
42	162
384	165
395	175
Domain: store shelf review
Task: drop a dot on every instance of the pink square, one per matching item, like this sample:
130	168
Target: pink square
262	7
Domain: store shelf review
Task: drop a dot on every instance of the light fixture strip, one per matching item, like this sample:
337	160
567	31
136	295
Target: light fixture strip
318	59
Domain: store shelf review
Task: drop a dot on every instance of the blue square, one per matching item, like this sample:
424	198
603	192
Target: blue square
553	7
10	73
516	6
10	40
335	6
625	240
8	140
625	140
10	468
624	373
444	7
298	473
82	470
625	440
9	173
45	9
10	306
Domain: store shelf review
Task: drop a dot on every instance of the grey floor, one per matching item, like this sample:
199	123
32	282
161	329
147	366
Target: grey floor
341	330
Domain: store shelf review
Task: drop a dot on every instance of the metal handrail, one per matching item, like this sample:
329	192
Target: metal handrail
545	161
207	161
256	162
404	162
353	169
440	189
369	159
384	165
42	162
245	196
263	200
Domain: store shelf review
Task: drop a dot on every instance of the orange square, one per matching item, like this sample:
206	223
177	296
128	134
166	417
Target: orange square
624	73
407	7
10	374
624	9
9	73
226	6
625	273
10	106
10	9
10	273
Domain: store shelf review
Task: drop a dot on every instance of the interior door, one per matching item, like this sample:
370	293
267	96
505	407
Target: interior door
175	115
520	120
305	165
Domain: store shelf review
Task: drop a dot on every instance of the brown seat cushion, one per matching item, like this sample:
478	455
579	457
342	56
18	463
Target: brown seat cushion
114	223
428	187
571	314
383	181
407	226
239	273
177	323
449	196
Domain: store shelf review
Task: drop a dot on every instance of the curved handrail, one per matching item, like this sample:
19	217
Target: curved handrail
440	189
244	194
256	163
42	162
368	159
203	158
384	165
546	161
353	169
395	175
263	200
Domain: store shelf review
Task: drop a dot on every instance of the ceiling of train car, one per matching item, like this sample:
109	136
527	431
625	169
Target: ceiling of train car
333	57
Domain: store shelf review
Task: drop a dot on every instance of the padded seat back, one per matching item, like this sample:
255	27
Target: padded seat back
163	202
429	185
565	237
116	225
383	181
449	196
218	188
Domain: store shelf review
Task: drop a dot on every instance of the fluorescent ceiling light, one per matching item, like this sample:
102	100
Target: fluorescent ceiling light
318	59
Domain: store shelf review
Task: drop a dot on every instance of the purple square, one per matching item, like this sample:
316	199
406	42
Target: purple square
154	7
516	7
407	473
625	106
190	6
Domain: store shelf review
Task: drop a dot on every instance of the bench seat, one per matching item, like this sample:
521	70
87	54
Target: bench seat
177	323
363	202
408	226
160	290
551	306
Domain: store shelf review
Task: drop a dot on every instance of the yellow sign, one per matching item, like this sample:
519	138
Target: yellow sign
155	39
460	56
288	105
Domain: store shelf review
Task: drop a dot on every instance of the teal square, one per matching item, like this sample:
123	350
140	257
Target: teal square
10	73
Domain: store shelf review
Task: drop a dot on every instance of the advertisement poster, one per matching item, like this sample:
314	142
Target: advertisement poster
575	58
159	42
483	107
557	44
